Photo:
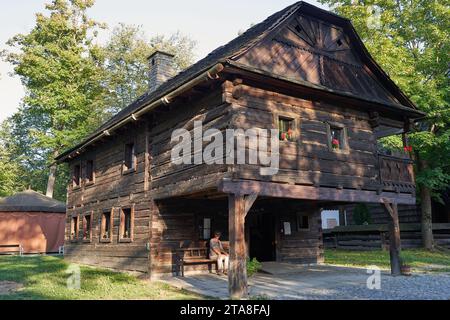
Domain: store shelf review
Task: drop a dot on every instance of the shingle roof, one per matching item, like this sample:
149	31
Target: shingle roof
31	201
221	54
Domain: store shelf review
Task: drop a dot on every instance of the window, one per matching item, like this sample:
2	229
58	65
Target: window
126	224
286	128
130	158
337	137
90	171
76	178
106	229
205	228
74	228
87	227
303	222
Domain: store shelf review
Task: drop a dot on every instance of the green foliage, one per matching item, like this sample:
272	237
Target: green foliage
361	214
45	278
62	84
125	62
72	85
253	266
410	40
61	77
9	169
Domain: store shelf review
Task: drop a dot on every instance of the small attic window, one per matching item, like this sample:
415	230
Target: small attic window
298	28
339	42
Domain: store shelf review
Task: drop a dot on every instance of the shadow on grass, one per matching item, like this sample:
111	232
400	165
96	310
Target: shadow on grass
45	278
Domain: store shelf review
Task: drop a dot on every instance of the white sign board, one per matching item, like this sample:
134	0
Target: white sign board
287	228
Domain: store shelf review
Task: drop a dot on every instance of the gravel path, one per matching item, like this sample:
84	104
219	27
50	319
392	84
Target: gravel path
417	287
324	282
352	286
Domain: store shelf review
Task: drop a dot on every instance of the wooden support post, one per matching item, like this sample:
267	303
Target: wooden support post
394	236
238	207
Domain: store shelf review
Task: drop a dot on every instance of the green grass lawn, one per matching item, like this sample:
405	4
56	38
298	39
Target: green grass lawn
420	260
45	277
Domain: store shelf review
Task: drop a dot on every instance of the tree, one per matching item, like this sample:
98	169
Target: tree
410	40
58	67
9	169
125	62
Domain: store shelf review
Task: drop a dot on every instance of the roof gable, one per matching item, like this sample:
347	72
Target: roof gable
309	49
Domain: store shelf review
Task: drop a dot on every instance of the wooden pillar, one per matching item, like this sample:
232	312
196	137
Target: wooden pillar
394	237
238	207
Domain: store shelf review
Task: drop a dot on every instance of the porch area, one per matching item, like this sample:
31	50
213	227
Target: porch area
269	221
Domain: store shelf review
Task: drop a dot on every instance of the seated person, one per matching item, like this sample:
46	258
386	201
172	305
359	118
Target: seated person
216	252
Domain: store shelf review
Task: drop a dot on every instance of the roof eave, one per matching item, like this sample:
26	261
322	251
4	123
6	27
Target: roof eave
405	110
145	106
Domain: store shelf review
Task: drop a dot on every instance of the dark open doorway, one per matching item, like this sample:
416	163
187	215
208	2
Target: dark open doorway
261	236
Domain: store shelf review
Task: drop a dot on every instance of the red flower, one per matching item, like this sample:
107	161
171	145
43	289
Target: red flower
408	148
283	136
335	142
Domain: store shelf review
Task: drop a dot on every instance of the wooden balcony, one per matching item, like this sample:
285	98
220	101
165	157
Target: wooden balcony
396	173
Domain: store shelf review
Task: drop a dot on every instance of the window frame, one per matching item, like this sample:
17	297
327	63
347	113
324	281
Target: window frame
203	228
299	220
89	182
91	216
125	168
74	227
103	225
74	184
344	137
278	116
122	224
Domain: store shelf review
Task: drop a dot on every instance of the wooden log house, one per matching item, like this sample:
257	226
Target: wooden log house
304	70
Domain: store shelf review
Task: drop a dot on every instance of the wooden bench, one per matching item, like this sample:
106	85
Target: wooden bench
191	256
16	248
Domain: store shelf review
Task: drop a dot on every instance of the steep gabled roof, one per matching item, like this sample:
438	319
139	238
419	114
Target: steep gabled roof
31	201
226	51
235	48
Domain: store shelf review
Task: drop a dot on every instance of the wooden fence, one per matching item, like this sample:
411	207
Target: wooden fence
376	237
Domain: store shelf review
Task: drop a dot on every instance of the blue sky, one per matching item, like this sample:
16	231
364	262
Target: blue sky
211	23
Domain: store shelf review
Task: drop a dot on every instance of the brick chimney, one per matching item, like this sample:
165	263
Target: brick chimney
161	69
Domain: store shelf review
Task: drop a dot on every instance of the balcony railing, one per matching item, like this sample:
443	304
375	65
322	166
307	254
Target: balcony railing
396	174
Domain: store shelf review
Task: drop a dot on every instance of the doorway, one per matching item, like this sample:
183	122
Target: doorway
261	236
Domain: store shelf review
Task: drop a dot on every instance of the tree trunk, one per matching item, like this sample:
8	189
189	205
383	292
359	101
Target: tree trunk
51	178
427	225
394	237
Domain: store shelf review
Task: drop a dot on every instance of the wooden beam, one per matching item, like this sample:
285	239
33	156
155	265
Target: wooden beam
249	201
280	190
237	273
394	236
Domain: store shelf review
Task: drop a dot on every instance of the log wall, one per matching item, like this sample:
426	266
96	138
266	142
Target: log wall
308	160
111	191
